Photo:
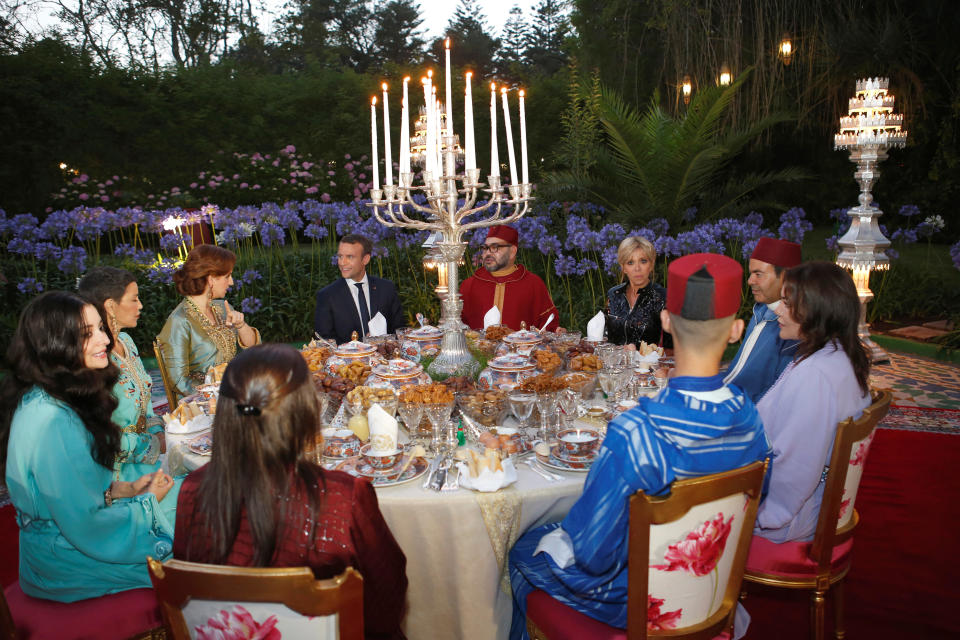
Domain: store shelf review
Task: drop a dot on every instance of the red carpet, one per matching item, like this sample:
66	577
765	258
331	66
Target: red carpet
903	583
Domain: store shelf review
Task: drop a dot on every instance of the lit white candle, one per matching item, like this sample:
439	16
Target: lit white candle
470	158
373	135
405	129
449	94
494	152
506	123
429	154
387	151
523	140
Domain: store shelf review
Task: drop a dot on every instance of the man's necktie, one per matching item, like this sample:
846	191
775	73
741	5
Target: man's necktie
364	312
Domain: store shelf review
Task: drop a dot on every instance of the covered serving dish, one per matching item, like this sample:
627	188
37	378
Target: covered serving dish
506	372
522	342
354	351
422	342
397	373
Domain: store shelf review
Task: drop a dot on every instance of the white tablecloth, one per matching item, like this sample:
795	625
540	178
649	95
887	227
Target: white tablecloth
456	545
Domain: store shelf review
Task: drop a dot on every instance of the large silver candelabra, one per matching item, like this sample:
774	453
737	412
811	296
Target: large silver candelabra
868	132
444	213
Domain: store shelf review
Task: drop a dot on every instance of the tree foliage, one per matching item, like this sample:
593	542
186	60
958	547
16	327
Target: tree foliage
653	165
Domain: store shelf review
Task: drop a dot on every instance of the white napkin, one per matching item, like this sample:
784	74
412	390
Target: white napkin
491	317
383	430
558	545
488	480
595	327
651	358
200	423
377	325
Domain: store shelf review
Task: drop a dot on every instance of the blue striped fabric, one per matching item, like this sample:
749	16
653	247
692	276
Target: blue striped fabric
685	431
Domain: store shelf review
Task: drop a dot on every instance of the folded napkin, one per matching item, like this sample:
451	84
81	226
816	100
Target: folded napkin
558	545
651	358
377	325
491	317
595	327
383	430
488	480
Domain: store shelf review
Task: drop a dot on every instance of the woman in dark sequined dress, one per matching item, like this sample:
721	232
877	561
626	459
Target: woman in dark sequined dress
261	502
634	306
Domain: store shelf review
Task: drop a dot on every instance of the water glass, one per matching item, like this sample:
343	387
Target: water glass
438	414
570	405
411	413
610	380
547	404
521	404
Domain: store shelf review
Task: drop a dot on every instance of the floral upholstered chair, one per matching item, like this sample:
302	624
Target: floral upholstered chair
686	559
824	562
213	602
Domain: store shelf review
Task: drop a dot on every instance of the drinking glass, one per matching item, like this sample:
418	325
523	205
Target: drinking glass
610	380
570	405
547	404
521	404
411	413
438	414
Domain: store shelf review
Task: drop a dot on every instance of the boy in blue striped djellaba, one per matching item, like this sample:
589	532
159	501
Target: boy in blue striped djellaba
695	426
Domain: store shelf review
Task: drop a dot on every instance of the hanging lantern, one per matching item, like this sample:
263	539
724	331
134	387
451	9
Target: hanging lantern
725	77
785	50
686	87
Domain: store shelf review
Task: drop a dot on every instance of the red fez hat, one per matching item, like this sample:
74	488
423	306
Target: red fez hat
505	233
704	286
780	253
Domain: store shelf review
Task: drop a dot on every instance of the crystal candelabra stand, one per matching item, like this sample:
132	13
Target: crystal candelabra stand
868	132
443	212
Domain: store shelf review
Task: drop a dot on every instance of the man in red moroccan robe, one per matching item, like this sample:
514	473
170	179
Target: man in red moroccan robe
519	294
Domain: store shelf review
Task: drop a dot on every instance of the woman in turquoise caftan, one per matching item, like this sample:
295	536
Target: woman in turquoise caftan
83	533
203	331
115	293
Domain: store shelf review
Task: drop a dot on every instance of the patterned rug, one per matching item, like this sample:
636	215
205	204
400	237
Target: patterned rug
919	382
946	421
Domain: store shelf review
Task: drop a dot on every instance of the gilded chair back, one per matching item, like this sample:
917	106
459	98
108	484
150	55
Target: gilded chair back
838	518
688	551
203	600
168	386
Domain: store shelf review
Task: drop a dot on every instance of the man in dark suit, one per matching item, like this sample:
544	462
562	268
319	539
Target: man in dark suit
348	304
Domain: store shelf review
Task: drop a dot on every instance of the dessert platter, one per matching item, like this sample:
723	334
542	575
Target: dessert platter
201	445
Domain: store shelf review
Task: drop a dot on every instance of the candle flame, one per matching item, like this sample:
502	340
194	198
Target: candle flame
447	43
423	81
503	89
469	74
493	86
522	93
383	86
406	79
430	73
373	100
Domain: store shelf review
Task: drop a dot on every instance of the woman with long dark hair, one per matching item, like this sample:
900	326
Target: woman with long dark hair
82	533
203	330
828	381
117	297
261	502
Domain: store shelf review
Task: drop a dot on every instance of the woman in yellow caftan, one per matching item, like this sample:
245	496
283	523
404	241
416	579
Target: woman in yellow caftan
203	330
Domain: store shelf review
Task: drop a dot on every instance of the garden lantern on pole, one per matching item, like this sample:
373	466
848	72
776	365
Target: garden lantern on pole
725	77
686	88
785	49
869	130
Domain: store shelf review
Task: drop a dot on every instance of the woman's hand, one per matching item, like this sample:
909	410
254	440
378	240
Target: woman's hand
122	489
157	483
234	318
245	333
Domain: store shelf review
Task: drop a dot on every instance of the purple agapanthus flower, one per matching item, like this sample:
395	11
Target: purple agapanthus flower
73	260
251	305
955	255
793	225
29	286
565	265
271	234
909	210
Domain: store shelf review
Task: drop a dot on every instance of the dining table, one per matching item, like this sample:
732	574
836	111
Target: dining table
456	543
